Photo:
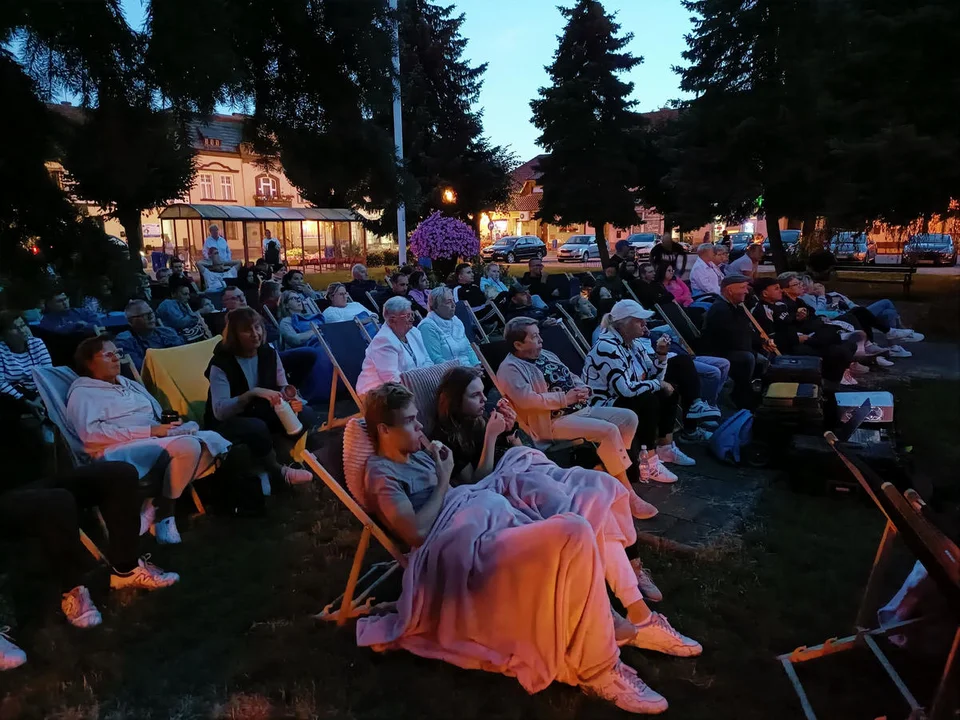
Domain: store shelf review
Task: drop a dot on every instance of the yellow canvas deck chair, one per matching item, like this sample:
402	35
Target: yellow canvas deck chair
345	344
350	604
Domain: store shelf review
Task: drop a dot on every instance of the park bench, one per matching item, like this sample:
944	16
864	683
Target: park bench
899	274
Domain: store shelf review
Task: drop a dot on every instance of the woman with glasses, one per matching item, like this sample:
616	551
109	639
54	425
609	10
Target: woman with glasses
295	321
117	419
397	348
342	306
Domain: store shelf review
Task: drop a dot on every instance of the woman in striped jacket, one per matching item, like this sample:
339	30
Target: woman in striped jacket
621	374
20	352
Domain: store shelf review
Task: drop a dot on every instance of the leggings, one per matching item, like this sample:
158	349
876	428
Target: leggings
656	413
886	313
184	452
862	319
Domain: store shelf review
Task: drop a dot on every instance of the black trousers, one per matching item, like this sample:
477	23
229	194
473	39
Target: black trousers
262	432
656	412
744	366
47	510
682	374
862	319
836	357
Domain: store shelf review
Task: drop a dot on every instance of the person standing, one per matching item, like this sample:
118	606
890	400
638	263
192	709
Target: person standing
668	251
216	241
747	264
271	249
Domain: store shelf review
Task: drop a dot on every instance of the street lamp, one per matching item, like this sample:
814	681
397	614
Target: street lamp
449	196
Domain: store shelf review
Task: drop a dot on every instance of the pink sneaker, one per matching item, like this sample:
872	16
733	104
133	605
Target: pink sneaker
296	476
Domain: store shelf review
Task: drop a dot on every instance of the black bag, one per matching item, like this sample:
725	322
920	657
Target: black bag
794	369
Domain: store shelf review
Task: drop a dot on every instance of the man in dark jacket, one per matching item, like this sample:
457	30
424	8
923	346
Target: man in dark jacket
360	285
728	333
536	282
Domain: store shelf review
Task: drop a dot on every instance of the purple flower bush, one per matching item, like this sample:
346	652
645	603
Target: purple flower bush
440	237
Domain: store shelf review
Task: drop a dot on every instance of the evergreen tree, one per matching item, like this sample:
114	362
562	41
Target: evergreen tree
444	145
586	121
754	128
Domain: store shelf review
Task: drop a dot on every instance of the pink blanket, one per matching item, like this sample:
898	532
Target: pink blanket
511	578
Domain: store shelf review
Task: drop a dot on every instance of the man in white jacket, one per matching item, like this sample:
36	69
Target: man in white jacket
705	277
397	348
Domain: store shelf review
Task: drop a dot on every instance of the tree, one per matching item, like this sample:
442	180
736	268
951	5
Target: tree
128	157
753	129
444	145
586	119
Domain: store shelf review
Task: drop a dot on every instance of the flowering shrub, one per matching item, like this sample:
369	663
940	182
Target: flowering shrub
439	237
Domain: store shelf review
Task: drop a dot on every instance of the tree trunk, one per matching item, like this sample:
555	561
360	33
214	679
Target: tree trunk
776	244
598	228
133	225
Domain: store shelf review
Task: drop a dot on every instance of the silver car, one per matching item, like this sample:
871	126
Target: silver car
579	248
643	243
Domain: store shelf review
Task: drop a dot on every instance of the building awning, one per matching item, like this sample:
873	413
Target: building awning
185	211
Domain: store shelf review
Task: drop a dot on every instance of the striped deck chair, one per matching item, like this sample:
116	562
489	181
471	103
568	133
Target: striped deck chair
345	343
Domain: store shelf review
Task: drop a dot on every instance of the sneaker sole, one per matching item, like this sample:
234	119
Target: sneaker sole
673	650
86	621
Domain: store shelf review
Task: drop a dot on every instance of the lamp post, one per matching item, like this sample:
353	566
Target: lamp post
449	196
398	134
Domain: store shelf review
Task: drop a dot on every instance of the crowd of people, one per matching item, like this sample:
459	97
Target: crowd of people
483	472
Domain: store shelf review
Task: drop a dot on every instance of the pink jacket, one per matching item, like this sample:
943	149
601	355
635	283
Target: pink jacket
681	293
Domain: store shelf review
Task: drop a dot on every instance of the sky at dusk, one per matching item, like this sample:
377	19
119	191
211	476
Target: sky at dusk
517	38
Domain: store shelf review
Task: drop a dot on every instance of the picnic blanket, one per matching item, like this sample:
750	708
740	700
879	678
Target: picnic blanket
511	577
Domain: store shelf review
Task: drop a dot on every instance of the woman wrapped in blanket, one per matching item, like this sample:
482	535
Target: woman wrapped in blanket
478	549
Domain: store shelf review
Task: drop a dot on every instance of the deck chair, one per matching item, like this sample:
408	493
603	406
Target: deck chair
345	343
373	303
370	325
216	322
491	355
559	282
272	319
630	292
347	606
681	325
558	340
470	322
575	330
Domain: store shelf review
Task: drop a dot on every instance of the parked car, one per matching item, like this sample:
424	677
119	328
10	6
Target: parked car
579	248
853	247
643	243
514	248
937	248
739	242
790	240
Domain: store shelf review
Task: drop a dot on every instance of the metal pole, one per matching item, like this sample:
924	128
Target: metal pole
398	133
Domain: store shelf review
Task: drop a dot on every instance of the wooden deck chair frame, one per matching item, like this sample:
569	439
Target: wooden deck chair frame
571	325
496	311
338	374
363	327
348	605
676	331
376	305
483	333
630	292
273	321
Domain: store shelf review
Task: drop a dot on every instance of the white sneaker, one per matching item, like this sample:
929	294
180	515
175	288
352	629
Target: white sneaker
148	515
672	454
873	349
848	379
898	333
296	476
858	369
658	634
883	362
145	576
79	608
622	686
701	410
651	469
897	351
912	337
641	509
649	589
10	655
166	531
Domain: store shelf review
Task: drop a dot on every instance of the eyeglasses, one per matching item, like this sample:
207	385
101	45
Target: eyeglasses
117	354
794	283
149	314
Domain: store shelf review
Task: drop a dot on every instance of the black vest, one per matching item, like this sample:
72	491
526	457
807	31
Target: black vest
266	378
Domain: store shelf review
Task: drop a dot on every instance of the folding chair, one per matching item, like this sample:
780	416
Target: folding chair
630	292
216	321
373	303
370	326
680	323
491	355
271	318
574	328
558	340
350	338
175	377
559	282
470	322
347	606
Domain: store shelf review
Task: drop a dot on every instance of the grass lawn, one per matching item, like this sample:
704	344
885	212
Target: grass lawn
235	638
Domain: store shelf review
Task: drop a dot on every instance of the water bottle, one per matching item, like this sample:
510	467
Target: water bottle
291	423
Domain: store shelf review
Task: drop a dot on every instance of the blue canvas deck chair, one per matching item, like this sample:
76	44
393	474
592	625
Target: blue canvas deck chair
558	340
680	323
472	326
574	328
345	344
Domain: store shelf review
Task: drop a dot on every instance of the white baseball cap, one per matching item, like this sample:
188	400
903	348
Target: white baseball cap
624	309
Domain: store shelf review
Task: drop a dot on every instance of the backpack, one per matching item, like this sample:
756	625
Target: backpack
733	435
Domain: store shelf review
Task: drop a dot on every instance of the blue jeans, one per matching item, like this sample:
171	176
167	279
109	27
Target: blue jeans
713	372
886	312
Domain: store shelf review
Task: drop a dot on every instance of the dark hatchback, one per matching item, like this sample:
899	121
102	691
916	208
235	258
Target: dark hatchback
936	248
515	248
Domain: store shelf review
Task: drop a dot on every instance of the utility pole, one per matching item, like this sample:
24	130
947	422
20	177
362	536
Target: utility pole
398	132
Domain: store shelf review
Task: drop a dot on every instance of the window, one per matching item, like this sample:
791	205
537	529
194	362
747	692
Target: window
226	187
267	186
206	186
